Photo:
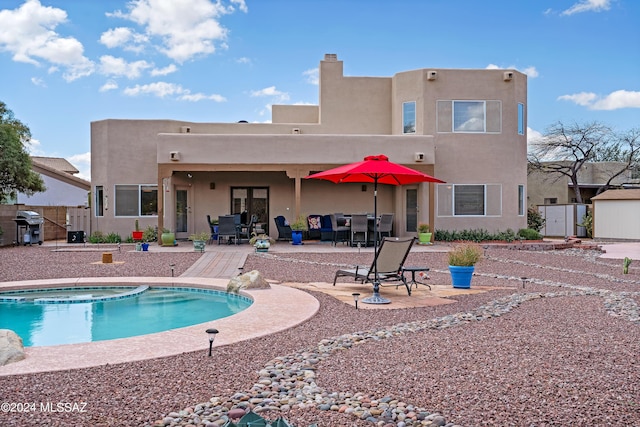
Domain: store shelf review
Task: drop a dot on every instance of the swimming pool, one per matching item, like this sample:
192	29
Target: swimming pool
95	313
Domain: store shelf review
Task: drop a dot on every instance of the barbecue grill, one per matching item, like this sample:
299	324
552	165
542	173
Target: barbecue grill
29	227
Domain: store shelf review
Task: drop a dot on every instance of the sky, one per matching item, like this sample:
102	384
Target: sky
66	63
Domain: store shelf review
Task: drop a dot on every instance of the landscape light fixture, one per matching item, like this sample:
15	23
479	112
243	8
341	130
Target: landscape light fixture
355	298
172	268
524	280
212	336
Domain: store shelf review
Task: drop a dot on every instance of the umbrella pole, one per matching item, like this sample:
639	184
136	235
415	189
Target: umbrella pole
375	298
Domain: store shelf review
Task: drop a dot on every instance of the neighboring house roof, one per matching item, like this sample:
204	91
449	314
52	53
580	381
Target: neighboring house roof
59	174
56	163
618	195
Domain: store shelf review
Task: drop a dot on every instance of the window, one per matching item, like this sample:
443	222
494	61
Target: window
136	200
521	200
520	119
469	199
99	200
469	116
149	200
409	117
551	201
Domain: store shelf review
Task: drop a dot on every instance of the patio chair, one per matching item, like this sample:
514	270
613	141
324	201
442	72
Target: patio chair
244	231
385	226
227	229
390	259
359	226
212	229
340	232
284	230
314	224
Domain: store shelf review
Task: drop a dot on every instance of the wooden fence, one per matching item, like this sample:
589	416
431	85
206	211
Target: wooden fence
58	221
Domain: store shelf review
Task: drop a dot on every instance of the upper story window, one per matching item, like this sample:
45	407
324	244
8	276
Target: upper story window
409	117
520	119
469	116
136	200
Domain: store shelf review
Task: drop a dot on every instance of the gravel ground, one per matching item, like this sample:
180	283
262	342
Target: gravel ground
553	361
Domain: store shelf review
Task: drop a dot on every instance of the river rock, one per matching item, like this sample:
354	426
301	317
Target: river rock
251	280
11	348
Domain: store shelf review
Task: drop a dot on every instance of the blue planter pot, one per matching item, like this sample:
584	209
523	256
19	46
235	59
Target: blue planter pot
461	276
296	237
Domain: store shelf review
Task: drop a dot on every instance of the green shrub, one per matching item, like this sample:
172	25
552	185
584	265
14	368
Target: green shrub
96	237
529	234
112	238
100	237
150	234
482	235
587	223
508	236
535	221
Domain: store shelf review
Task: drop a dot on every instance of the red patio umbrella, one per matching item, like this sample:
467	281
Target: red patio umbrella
375	169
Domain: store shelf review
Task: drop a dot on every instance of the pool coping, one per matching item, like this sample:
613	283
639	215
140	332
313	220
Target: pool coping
256	321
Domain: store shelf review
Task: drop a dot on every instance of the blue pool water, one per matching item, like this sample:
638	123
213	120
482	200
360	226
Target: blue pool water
88	314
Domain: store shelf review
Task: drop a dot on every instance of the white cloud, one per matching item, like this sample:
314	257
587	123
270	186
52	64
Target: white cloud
243	60
164	89
533	135
313	76
110	85
271	91
588	6
530	71
186	29
113	66
124	37
171	68
38	82
159	89
33	147
241	5
82	162
29	34
613	101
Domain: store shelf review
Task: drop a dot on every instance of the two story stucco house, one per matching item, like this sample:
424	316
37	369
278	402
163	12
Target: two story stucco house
465	127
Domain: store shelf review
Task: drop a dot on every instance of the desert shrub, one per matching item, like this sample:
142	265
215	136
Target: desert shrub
535	221
529	234
112	238
587	222
508	236
100	237
96	237
150	234
466	254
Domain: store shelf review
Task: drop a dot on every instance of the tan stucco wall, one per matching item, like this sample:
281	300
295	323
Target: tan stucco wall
356	116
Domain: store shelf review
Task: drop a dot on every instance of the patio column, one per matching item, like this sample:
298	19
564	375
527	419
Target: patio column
297	175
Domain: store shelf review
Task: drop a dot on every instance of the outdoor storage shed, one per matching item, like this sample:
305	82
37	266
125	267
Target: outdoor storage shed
616	215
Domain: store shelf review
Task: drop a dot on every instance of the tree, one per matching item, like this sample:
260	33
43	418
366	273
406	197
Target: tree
16	174
564	150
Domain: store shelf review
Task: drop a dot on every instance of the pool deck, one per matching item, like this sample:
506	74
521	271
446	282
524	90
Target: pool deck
213	270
